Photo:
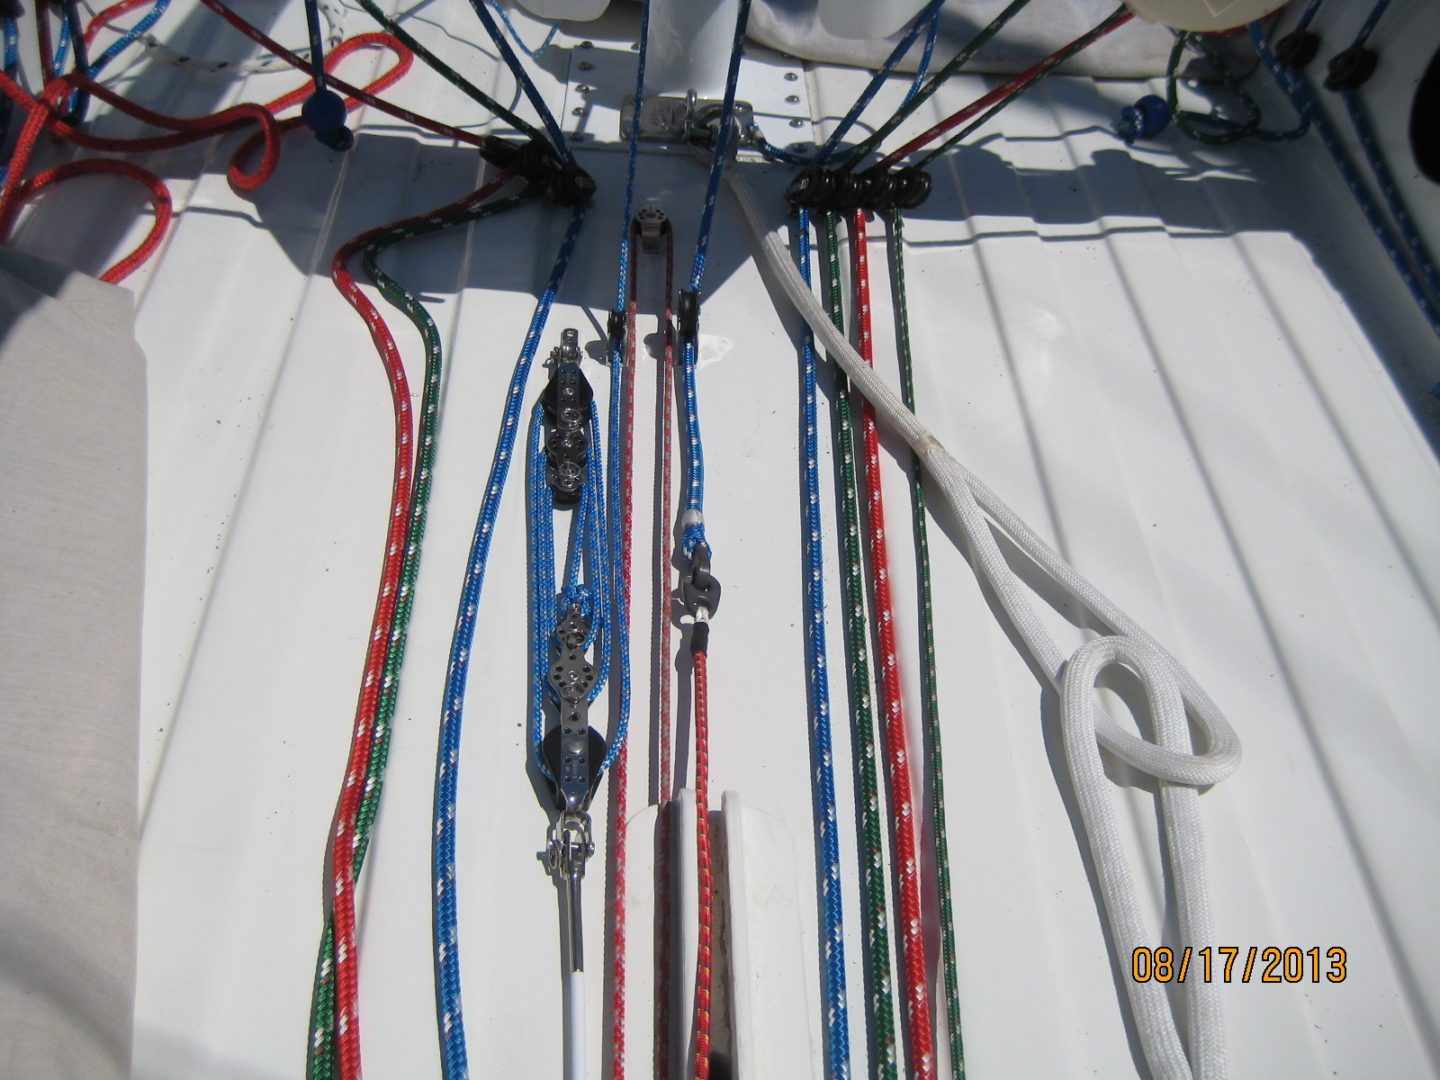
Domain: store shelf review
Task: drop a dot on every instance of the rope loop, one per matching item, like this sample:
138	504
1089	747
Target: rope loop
1157	673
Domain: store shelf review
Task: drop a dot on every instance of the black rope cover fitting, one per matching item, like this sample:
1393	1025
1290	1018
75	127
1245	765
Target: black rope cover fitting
818	188
699	588
537	162
687	313
1297	49
1350	68
615	329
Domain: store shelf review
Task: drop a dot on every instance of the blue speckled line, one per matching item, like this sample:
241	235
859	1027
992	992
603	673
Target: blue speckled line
449	1016
837	1021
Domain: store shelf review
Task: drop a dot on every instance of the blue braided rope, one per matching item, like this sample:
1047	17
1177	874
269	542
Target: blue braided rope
527	85
923	69
722	147
317	45
837	1021
543	613
1298	91
1368	26
12	47
80	100
62	50
1308	15
115	48
534	53
693	535
1399	211
929	15
447	938
618	379
622	287
1414	243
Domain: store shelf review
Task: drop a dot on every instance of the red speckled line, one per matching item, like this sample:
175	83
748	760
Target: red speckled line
702	857
347	1011
912	927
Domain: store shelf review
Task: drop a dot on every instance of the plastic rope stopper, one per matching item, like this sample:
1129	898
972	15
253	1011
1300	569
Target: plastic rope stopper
1297	48
1145	119
1351	68
324	113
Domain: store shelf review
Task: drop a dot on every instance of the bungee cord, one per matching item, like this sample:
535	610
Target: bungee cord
1176	698
448	73
621	437
594	578
334	1005
929	667
527	84
449	1011
1292	81
1349	70
911	928
873	878
1003	95
699	590
916	100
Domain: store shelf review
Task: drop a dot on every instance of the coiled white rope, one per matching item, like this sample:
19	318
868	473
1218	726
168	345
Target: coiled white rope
1175	700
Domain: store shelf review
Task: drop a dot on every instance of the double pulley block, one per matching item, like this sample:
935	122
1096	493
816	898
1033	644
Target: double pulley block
573	749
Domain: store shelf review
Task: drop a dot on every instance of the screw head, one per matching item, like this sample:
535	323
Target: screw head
797	123
585	65
587	45
583	89
634	46
790	76
793	99
579	110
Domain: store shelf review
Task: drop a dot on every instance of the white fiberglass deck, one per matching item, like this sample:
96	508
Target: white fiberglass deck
1191	370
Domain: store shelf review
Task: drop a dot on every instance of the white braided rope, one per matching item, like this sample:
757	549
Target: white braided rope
1175	700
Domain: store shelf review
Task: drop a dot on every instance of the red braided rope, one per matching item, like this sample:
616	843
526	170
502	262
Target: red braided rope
665	789
621	773
663	524
702	862
994	97
342	850
106	16
347	1018
364	97
912	928
159	199
45	113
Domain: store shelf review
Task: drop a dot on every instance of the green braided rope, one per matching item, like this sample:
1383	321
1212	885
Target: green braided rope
1184	119
927	650
862	718
320	1064
449	74
1078	45
924	94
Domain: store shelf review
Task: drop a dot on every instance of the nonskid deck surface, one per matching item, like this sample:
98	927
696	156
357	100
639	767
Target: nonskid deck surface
1185	368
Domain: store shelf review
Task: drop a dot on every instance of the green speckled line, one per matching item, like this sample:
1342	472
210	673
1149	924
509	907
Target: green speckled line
927	655
449	74
1230	130
862	716
321	1064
